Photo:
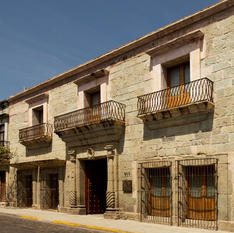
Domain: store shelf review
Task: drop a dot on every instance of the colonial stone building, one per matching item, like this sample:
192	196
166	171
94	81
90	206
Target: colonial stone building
144	132
4	163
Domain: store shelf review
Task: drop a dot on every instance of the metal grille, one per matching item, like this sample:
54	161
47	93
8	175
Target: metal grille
197	193
110	110
35	132
192	92
49	198
24	189
49	191
155	192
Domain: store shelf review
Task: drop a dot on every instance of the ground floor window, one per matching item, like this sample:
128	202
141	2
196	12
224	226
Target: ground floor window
24	188
200	192
49	192
159	191
155	192
197	193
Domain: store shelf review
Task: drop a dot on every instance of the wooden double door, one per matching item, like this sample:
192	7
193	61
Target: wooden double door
201	192
95	108
178	92
95	186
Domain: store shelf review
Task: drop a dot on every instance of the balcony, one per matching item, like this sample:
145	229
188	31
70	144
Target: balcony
93	124
183	100
41	133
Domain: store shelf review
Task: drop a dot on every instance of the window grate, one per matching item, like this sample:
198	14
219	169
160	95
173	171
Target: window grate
197	193
155	192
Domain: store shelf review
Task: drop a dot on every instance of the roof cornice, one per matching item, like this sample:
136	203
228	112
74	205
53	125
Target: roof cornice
214	9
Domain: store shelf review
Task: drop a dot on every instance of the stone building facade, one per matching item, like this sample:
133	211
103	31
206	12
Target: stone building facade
143	132
4	163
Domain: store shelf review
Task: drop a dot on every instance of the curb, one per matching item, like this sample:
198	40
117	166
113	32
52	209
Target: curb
78	225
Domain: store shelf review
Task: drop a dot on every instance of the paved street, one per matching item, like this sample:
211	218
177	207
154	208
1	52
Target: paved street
15	224
16	220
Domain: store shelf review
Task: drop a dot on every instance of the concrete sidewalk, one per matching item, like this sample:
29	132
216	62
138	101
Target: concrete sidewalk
97	222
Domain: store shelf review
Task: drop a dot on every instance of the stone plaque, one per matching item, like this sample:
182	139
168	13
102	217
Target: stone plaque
127	186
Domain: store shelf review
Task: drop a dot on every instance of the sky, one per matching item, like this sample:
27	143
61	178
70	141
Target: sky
43	38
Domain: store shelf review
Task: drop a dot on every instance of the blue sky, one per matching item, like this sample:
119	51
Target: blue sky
43	38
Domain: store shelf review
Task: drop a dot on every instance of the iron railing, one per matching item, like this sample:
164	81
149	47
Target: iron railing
198	193
155	192
192	92
4	143
110	110
36	131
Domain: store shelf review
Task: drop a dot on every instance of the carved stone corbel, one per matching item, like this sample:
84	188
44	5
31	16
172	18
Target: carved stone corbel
72	155
91	153
110	150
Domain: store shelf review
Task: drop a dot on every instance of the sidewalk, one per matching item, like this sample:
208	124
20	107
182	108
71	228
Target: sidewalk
98	222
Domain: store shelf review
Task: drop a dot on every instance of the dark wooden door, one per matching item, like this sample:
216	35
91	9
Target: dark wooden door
95	186
200	193
53	191
159	192
28	190
178	94
95	111
3	186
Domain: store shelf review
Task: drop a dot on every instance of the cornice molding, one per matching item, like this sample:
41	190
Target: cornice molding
92	76
175	43
37	98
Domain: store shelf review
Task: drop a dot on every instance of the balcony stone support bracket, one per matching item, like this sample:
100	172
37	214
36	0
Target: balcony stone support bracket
101	124
178	116
182	104
36	136
100	133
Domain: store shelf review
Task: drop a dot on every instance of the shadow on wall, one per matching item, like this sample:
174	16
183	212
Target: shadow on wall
172	127
39	149
96	146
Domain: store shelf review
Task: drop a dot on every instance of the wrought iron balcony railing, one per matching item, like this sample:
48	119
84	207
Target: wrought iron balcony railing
35	132
4	143
110	110
193	92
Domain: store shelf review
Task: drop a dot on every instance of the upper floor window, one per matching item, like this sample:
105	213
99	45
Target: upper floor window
38	109
2	133
93	100
93	97
176	62
93	89
178	75
37	116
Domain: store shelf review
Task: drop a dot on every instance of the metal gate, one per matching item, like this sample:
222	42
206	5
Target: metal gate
155	192
197	193
24	189
50	192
